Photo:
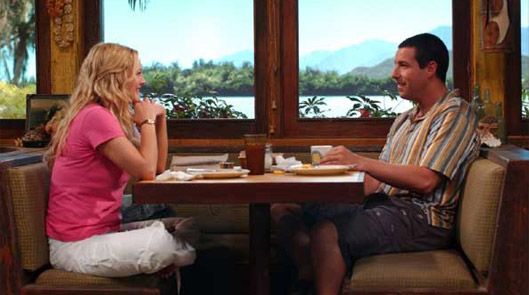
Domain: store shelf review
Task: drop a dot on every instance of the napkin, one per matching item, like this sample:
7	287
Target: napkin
181	163
174	175
285	164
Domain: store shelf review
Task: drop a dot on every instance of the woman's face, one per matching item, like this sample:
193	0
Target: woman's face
137	82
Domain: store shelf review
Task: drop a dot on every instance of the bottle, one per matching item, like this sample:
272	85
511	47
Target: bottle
502	134
268	157
488	106
477	104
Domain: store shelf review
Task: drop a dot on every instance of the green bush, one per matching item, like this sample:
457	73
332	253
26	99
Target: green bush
13	100
197	107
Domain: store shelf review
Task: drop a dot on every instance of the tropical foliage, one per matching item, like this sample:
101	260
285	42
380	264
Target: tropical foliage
17	36
312	107
13	100
525	103
366	107
202	79
186	107
226	79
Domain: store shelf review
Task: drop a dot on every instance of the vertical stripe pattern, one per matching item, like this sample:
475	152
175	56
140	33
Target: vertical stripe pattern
444	140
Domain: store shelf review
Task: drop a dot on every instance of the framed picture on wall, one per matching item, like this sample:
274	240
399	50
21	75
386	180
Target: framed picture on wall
41	111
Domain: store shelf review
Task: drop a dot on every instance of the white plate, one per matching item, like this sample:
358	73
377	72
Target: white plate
223	173
321	170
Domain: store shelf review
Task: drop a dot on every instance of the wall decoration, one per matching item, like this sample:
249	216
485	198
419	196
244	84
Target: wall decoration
496	24
61	12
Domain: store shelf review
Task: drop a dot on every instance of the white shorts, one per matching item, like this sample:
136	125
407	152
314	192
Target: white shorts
121	254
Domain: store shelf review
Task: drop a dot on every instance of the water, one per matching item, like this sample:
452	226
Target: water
337	106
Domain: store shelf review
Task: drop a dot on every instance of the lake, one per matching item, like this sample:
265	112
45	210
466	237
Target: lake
337	106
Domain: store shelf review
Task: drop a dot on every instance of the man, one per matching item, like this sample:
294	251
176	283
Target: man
412	190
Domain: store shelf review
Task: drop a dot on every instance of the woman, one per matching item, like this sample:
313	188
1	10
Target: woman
92	154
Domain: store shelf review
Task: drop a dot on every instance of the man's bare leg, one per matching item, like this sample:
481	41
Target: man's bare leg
327	259
294	237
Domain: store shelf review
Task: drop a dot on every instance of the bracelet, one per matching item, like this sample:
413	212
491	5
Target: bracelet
146	121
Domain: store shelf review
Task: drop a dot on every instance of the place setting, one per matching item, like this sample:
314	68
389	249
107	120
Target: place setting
292	165
320	170
187	168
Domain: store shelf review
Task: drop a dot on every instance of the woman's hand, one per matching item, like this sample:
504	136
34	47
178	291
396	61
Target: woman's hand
144	110
160	111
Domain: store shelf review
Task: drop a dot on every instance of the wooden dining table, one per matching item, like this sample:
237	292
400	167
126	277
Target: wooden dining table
259	191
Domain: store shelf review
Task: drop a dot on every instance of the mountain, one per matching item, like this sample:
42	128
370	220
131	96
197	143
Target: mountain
238	58
313	58
367	53
383	69
445	34
373	58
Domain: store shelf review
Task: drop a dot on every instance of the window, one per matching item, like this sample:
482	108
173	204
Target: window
274	27
197	59
332	37
197	56
17	57
346	51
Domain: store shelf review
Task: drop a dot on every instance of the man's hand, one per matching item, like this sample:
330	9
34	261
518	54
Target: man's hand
340	155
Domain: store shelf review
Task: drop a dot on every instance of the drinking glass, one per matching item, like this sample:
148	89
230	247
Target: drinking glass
254	145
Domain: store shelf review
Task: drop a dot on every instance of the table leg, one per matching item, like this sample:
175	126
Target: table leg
260	248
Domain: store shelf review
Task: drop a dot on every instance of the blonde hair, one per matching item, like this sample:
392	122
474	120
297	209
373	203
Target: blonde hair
104	77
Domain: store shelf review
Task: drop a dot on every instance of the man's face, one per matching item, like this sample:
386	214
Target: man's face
410	78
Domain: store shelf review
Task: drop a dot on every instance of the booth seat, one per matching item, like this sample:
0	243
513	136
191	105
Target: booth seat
490	255
24	248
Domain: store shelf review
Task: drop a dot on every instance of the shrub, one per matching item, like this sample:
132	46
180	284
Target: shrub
13	100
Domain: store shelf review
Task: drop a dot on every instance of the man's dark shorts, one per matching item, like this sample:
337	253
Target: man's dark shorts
381	224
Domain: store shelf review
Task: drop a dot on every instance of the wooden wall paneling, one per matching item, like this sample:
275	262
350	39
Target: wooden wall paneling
92	24
462	38
265	48
513	92
65	62
510	261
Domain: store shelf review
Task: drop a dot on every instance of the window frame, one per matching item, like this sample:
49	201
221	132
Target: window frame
276	72
365	128
210	128
512	109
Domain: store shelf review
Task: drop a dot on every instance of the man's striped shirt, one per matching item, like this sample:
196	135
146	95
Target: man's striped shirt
444	140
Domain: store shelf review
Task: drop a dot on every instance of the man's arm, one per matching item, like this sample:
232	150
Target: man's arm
410	177
370	184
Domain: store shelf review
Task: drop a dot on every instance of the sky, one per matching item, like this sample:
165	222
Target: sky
184	30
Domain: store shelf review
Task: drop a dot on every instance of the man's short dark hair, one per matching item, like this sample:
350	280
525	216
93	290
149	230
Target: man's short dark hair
429	47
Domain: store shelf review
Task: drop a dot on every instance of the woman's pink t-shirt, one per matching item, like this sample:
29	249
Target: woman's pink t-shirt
86	187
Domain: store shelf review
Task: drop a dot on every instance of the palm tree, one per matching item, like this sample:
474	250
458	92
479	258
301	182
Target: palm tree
17	34
142	4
